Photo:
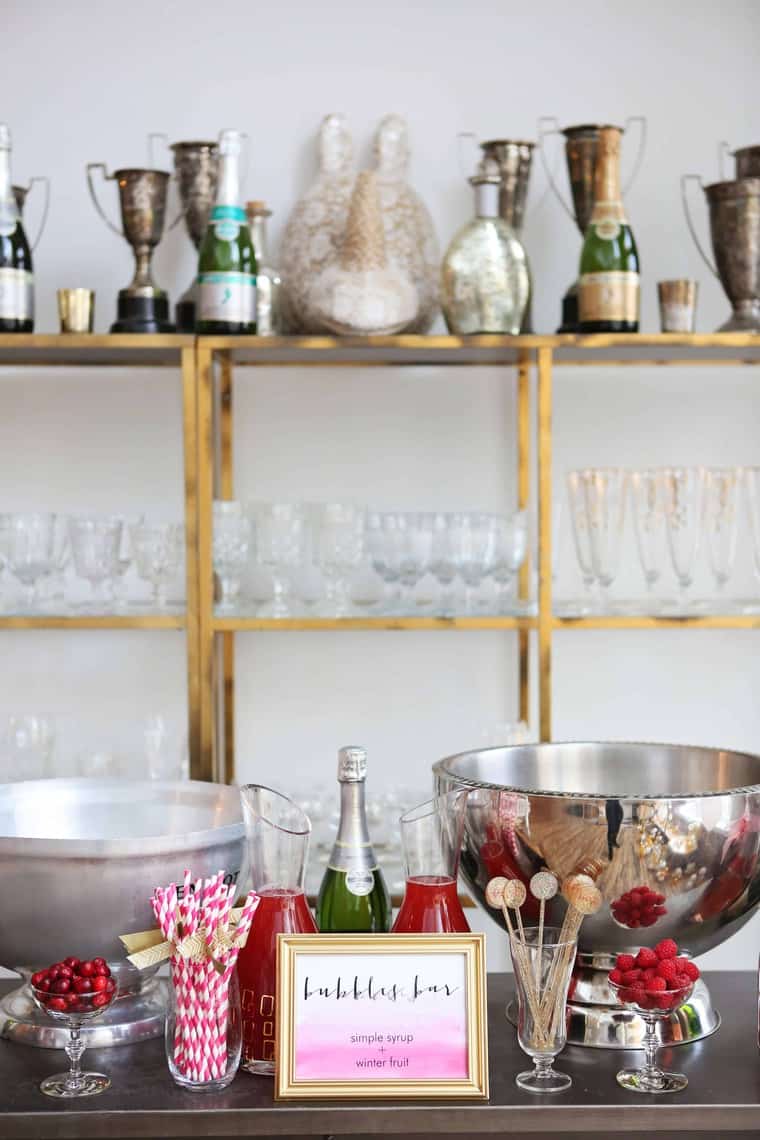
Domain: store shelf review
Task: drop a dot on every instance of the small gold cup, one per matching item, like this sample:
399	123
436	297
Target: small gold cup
76	310
678	305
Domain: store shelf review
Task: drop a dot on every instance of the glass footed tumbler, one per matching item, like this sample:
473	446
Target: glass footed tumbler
73	1010
95	545
157	549
650	1078
277	836
431	836
543	966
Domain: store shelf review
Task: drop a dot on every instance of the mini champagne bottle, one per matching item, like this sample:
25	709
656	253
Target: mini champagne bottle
353	897
227	263
608	286
16	280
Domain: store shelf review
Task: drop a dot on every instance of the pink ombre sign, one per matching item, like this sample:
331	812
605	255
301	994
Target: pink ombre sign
381	1015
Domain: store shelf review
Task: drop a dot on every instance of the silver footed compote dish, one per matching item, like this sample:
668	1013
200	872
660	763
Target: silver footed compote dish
669	833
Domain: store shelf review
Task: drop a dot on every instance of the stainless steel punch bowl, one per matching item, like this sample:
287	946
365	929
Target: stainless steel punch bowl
683	822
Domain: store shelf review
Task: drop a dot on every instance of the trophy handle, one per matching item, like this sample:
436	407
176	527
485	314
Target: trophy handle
724	148
43	180
466	167
544	132
642	146
685	180
107	177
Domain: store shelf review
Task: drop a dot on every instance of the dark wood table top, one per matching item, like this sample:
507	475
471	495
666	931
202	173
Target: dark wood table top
723	1094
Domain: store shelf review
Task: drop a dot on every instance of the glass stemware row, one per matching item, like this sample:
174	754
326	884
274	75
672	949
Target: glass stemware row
37	549
340	559
674	509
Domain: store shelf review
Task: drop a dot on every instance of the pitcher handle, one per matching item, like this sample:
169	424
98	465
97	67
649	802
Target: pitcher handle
685	180
466	169
724	148
642	122
91	186
544	132
43	180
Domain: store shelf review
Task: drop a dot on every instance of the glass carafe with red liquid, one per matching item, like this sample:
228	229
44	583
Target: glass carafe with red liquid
277	836
431	836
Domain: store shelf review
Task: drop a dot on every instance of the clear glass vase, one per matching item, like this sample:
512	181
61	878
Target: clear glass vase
543	966
208	1060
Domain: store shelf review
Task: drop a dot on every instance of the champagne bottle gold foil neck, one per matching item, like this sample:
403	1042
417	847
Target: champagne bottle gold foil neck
352	764
607	169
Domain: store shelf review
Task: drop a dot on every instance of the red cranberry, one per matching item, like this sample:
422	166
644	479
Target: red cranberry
110	986
72	963
52	972
87	969
99	983
82	985
103	971
44	985
98	961
65	972
99	1000
71	999
61	985
58	1004
38	977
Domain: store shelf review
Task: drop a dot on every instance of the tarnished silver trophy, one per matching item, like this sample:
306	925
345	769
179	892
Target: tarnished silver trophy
20	193
734	209
746	161
78	863
683	822
142	306
196	168
580	152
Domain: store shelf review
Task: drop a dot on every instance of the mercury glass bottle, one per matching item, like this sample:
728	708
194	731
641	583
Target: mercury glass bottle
485	280
267	277
353	897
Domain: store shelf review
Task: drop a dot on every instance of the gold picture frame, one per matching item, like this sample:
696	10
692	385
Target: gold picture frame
453	1036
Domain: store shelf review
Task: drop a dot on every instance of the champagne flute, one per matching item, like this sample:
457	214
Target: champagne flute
720	518
683	496
649	526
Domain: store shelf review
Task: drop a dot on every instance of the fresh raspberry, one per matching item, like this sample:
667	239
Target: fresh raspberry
691	969
666	949
634	922
657	985
646	957
659	910
636	898
648	919
616	977
631	977
682	982
625	962
668	970
657	898
625	995
648	975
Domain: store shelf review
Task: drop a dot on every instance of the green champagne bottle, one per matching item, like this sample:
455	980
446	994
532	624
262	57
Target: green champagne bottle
16	280
608	286
353	897
227	263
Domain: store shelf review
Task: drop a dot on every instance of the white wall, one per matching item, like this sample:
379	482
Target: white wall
86	81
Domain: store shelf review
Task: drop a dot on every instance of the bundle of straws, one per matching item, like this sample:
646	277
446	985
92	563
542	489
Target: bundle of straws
198	924
545	996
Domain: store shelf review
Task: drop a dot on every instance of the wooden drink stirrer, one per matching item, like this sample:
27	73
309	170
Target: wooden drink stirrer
543	886
498	891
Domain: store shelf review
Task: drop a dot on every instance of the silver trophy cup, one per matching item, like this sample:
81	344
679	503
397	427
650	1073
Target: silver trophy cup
142	306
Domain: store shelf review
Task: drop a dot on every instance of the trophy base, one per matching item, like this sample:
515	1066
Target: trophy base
570	310
745	318
141	314
184	314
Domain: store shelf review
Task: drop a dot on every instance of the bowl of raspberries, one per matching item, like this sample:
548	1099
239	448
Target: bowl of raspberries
655	980
74	988
641	906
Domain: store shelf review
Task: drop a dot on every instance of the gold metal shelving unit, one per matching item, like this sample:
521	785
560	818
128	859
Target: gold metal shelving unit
218	359
21	352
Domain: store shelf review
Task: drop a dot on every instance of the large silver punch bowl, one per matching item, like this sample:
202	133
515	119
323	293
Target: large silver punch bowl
681	822
78	863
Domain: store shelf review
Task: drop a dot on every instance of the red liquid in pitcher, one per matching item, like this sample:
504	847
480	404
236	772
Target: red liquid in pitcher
279	912
431	906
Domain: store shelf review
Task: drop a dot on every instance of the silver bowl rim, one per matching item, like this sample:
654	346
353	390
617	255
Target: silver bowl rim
641	797
142	846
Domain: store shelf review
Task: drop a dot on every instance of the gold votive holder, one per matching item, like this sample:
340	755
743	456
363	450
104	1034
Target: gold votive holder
678	305
76	310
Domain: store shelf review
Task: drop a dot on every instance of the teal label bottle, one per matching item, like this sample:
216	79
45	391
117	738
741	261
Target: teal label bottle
227	263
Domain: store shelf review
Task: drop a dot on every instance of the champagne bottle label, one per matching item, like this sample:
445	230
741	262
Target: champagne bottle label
16	295
227	296
360	882
610	296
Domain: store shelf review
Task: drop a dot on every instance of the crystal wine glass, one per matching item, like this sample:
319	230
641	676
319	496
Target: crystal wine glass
649	524
478	538
445	559
95	546
74	1010
650	1078
232	542
543	965
720	519
341	546
31	550
384	551
683	496
416	542
510	549
581	539
280	546
157	549
751	479
604	490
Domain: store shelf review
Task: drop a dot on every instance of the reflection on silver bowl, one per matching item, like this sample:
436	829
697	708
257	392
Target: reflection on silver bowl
683	822
78	863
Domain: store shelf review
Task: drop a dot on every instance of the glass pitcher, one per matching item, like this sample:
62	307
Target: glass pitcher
277	834
431	835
